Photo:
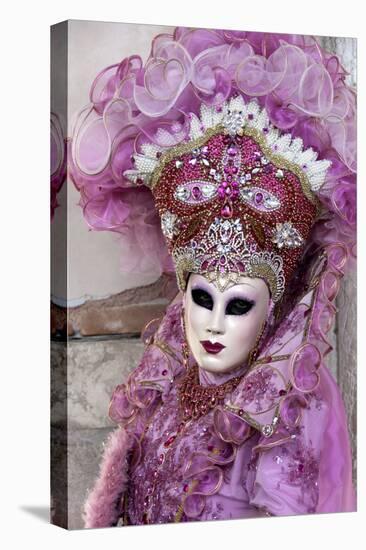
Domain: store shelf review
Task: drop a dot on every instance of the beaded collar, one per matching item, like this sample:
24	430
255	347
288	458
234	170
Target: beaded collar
196	400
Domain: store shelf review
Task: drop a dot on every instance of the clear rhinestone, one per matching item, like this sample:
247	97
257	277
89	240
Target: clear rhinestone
279	173
208	190
205	162
168	224
286	235
233	121
267	430
247	194
182	193
264	160
255	170
271	202
212	172
218	177
179	163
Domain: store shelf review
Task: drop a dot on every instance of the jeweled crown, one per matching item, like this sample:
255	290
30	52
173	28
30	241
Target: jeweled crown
237	198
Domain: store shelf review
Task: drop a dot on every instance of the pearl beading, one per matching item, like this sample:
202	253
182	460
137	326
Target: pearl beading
235	115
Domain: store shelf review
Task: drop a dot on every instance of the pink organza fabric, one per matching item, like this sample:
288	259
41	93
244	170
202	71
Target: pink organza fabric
224	465
58	163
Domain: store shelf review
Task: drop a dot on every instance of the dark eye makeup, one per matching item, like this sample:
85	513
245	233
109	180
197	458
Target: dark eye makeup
239	306
202	298
236	306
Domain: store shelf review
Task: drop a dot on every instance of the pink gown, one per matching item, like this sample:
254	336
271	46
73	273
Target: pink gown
240	460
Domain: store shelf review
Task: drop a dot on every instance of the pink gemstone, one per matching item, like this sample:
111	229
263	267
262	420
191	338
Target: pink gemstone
235	184
226	211
161	458
165	372
222	260
169	441
258	197
185	488
232	151
196	192
229	178
221	192
234	169
228	191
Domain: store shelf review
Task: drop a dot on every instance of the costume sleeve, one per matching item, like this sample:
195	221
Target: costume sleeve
311	469
278	488
283	477
102	506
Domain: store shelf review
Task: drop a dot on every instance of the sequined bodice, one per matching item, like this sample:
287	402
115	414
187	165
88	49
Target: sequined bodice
162	481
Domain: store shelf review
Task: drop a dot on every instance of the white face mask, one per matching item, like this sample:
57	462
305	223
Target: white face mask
231	319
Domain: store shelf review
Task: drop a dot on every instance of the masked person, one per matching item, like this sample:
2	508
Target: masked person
232	412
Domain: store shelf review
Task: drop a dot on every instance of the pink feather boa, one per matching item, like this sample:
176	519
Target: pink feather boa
102	506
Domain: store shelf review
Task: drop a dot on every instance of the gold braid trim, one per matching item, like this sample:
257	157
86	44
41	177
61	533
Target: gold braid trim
179	512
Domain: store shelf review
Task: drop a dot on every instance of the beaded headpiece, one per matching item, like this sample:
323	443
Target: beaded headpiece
237	198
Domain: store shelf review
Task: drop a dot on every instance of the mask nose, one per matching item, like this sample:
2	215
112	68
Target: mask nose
216	323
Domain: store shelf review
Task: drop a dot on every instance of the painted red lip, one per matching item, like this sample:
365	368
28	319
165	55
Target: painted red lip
212	348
